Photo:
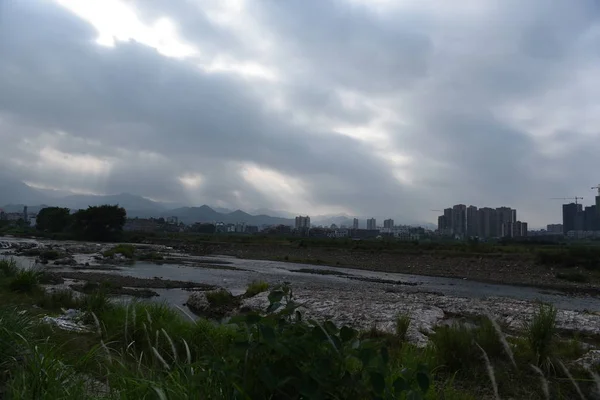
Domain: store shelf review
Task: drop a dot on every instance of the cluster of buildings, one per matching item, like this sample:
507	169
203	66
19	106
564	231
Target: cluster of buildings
27	218
303	228
462	222
581	222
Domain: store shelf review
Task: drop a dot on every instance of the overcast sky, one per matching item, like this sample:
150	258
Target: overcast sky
367	107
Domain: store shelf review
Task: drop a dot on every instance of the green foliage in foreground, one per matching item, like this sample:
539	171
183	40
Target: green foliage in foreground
151	351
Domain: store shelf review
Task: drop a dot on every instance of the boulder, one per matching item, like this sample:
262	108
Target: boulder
198	303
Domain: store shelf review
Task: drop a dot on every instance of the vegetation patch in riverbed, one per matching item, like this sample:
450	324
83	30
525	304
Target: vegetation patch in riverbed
125	250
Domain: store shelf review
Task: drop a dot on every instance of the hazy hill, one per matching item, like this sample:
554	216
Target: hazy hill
16	192
204	213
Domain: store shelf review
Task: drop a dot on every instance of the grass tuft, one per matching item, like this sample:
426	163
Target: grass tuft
219	298
26	280
255	288
454	347
8	267
402	325
540	333
126	250
55	300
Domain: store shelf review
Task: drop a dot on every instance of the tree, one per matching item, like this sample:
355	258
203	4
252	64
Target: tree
53	219
102	223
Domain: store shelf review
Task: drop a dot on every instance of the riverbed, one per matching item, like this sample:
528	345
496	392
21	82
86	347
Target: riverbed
346	295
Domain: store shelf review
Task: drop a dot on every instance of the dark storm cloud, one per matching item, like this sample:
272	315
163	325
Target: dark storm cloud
442	84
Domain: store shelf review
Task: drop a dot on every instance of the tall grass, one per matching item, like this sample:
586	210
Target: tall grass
540	334
219	298
256	287
26	280
8	267
402	325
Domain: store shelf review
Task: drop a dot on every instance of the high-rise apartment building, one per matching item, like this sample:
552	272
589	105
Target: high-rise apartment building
472	221
388	223
459	219
441	223
514	229
302	222
504	215
571	219
371	224
355	223
487	222
448	219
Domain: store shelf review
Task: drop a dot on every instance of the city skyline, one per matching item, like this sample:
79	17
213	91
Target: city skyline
273	118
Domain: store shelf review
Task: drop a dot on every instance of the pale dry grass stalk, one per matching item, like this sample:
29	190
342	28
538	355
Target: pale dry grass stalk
503	340
173	349
185	313
97	323
596	379
126	321
160	358
543	380
490	370
568	373
108	356
160	393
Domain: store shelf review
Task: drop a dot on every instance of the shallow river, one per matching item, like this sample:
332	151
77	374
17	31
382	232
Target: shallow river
277	272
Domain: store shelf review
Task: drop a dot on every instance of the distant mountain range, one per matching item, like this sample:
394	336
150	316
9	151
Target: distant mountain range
15	194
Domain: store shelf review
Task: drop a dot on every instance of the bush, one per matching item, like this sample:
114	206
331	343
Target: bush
25	280
455	348
540	333
126	250
219	298
256	287
488	338
58	299
8	267
402	325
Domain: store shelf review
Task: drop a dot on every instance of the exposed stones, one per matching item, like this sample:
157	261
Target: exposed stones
198	303
65	261
590	360
364	310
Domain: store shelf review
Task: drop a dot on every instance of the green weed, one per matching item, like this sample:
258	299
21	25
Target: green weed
25	280
58	299
540	334
455	348
255	288
219	298
126	250
8	267
402	325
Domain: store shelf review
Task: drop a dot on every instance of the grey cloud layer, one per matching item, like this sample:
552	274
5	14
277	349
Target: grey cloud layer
452	80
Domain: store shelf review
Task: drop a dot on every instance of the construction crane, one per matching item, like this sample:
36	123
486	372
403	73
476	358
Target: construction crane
568	198
442	210
597	188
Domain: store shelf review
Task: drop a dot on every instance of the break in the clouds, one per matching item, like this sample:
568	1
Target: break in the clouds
315	106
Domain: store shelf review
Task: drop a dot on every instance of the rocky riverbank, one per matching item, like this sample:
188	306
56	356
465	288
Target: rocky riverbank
501	268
